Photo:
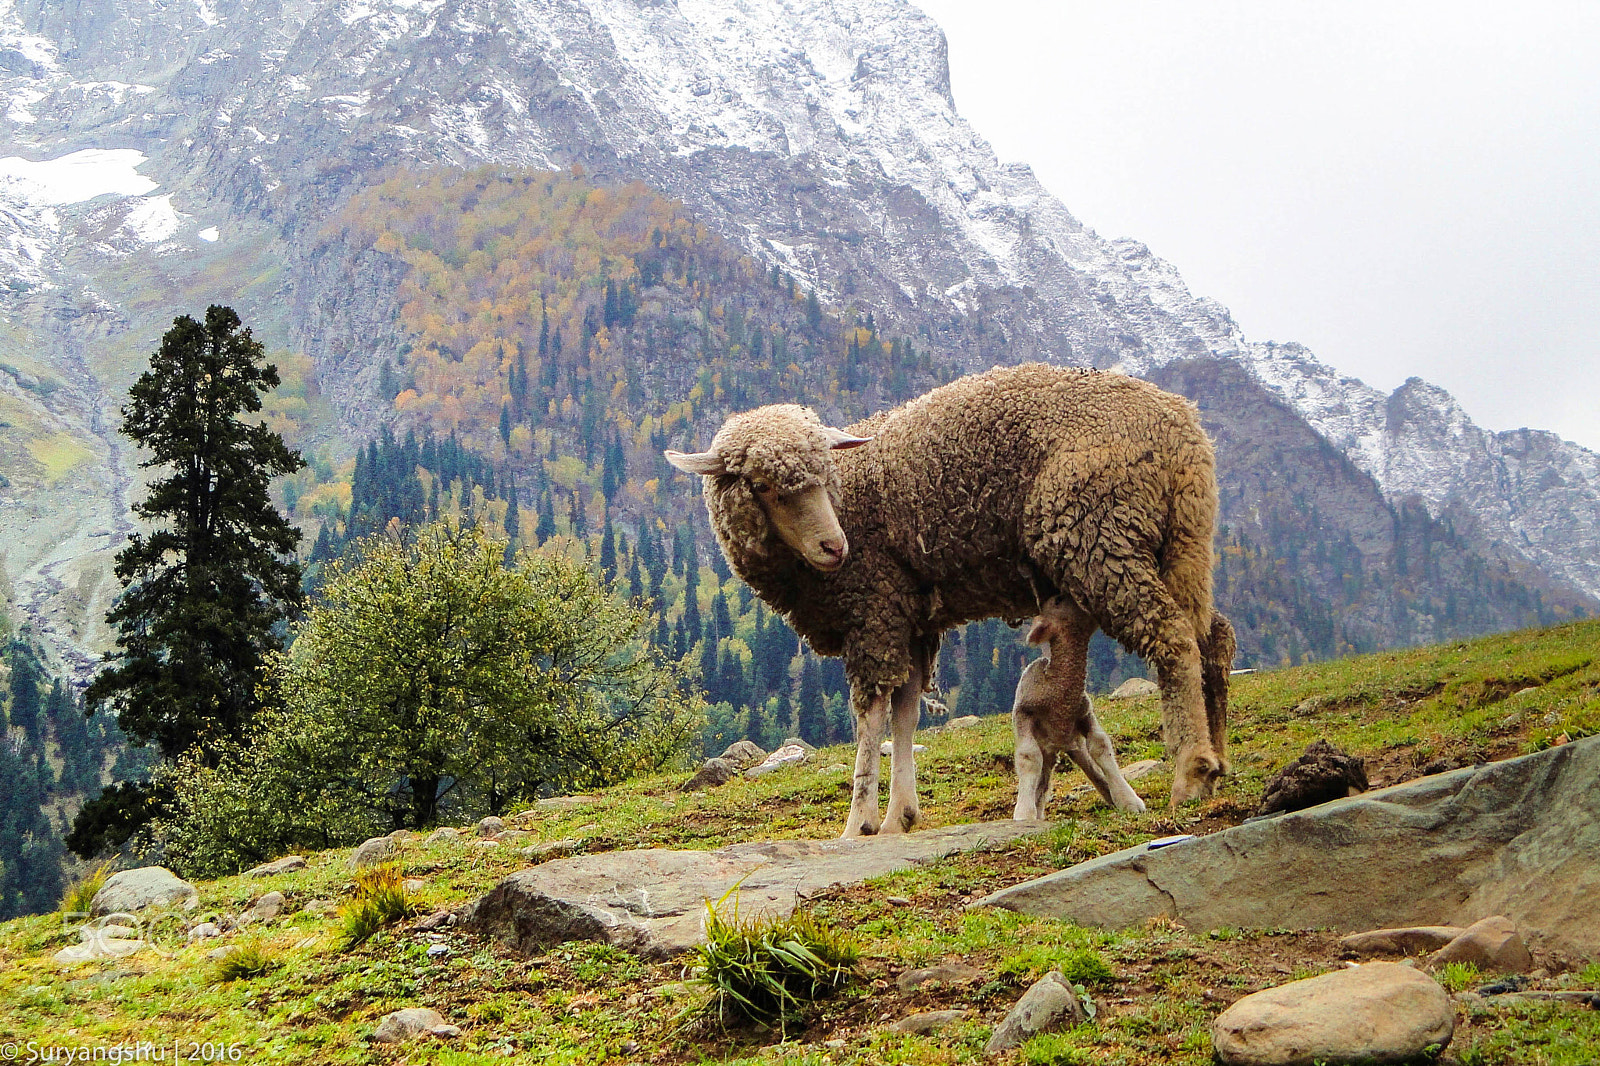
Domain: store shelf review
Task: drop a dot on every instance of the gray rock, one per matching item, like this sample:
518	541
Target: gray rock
491	826
149	886
927	1021
966	721
652	901
1052	1003
372	852
401	1025
743	753
485	844
1515	838
401	836
797	742
413	884
218	954
561	803
320	908
264	909
947	973
204	931
98	947
1492	945
551	849
278	866
1133	688
713	773
1411	940
511	836
887	748
1381	1012
442	834
788	755
445	1032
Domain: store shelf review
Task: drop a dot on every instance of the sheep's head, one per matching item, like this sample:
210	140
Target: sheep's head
1055	617
779	461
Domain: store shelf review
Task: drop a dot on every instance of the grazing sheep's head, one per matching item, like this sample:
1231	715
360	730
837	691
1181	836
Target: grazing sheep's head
777	462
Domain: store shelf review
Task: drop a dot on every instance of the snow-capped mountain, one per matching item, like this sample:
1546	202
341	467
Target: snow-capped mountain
820	135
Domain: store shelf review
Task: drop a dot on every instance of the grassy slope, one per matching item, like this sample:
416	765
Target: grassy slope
1403	711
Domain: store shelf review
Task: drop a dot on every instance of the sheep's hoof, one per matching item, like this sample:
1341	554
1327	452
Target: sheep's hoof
903	822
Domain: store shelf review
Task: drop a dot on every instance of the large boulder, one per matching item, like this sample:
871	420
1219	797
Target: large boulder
148	886
788	755
652	901
713	773
1382	1012
371	852
743	753
1515	838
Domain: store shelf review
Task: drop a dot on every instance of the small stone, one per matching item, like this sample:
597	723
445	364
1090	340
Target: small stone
796	742
446	1032
443	834
404	1024
278	866
413	884
743	753
1052	1003
320	908
948	973
511	836
401	836
96	947
788	755
485	844
372	852
264	909
550	849
1492	945
436	950
491	825
887	748
204	931
133	890
1378	1012
966	721
712	773
434	921
927	1021
1410	940
218	954
898	901
1133	688
833	1045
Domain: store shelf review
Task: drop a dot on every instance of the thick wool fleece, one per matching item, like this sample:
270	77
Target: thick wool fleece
984	498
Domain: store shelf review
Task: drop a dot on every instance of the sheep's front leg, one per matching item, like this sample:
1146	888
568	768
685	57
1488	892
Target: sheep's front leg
903	812
1033	770
864	796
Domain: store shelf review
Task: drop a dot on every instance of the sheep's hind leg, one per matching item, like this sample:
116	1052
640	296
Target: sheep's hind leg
903	812
1216	661
864	795
1093	752
1033	768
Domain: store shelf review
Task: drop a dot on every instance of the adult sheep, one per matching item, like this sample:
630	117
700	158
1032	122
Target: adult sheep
982	498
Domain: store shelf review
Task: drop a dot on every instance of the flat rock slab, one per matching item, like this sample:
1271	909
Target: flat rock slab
1515	838
1382	1012
653	901
1412	940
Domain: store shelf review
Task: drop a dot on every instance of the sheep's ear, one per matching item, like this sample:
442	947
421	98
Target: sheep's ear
697	462
838	438
1040	631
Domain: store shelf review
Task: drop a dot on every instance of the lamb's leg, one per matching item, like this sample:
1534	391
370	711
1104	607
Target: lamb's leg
1216	660
1142	614
864	797
1091	749
903	812
1033	770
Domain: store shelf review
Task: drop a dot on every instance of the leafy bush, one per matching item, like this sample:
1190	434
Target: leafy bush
247	960
770	971
380	899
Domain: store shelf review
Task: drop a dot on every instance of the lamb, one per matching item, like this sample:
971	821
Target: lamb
983	498
1053	714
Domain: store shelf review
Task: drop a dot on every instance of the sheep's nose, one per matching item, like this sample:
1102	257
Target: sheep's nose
835	548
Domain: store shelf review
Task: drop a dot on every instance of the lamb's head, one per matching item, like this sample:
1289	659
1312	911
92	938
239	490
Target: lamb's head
773	467
1055	616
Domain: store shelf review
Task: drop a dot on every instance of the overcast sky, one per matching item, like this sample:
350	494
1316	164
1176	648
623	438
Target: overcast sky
1406	188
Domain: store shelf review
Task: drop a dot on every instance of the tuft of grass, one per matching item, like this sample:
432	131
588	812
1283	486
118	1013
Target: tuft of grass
1589	976
380	899
248	960
770	971
81	894
1460	976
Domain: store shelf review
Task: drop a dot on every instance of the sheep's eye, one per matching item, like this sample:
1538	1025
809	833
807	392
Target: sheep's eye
761	487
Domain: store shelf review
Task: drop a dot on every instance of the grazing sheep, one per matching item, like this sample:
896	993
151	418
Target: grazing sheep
1053	714
982	499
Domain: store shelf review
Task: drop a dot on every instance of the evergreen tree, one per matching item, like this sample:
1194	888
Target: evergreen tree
813	716
203	593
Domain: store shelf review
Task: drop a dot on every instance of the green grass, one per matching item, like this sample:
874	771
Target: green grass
82	892
770	970
584	1003
245	961
379	899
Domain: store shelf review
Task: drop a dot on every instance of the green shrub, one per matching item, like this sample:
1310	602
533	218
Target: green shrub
247	960
770	971
81	894
380	899
1460	976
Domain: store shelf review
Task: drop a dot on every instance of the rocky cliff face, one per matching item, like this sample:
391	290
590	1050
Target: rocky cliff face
820	136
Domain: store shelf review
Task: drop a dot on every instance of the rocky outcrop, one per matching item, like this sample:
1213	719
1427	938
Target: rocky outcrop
653	901
1514	838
